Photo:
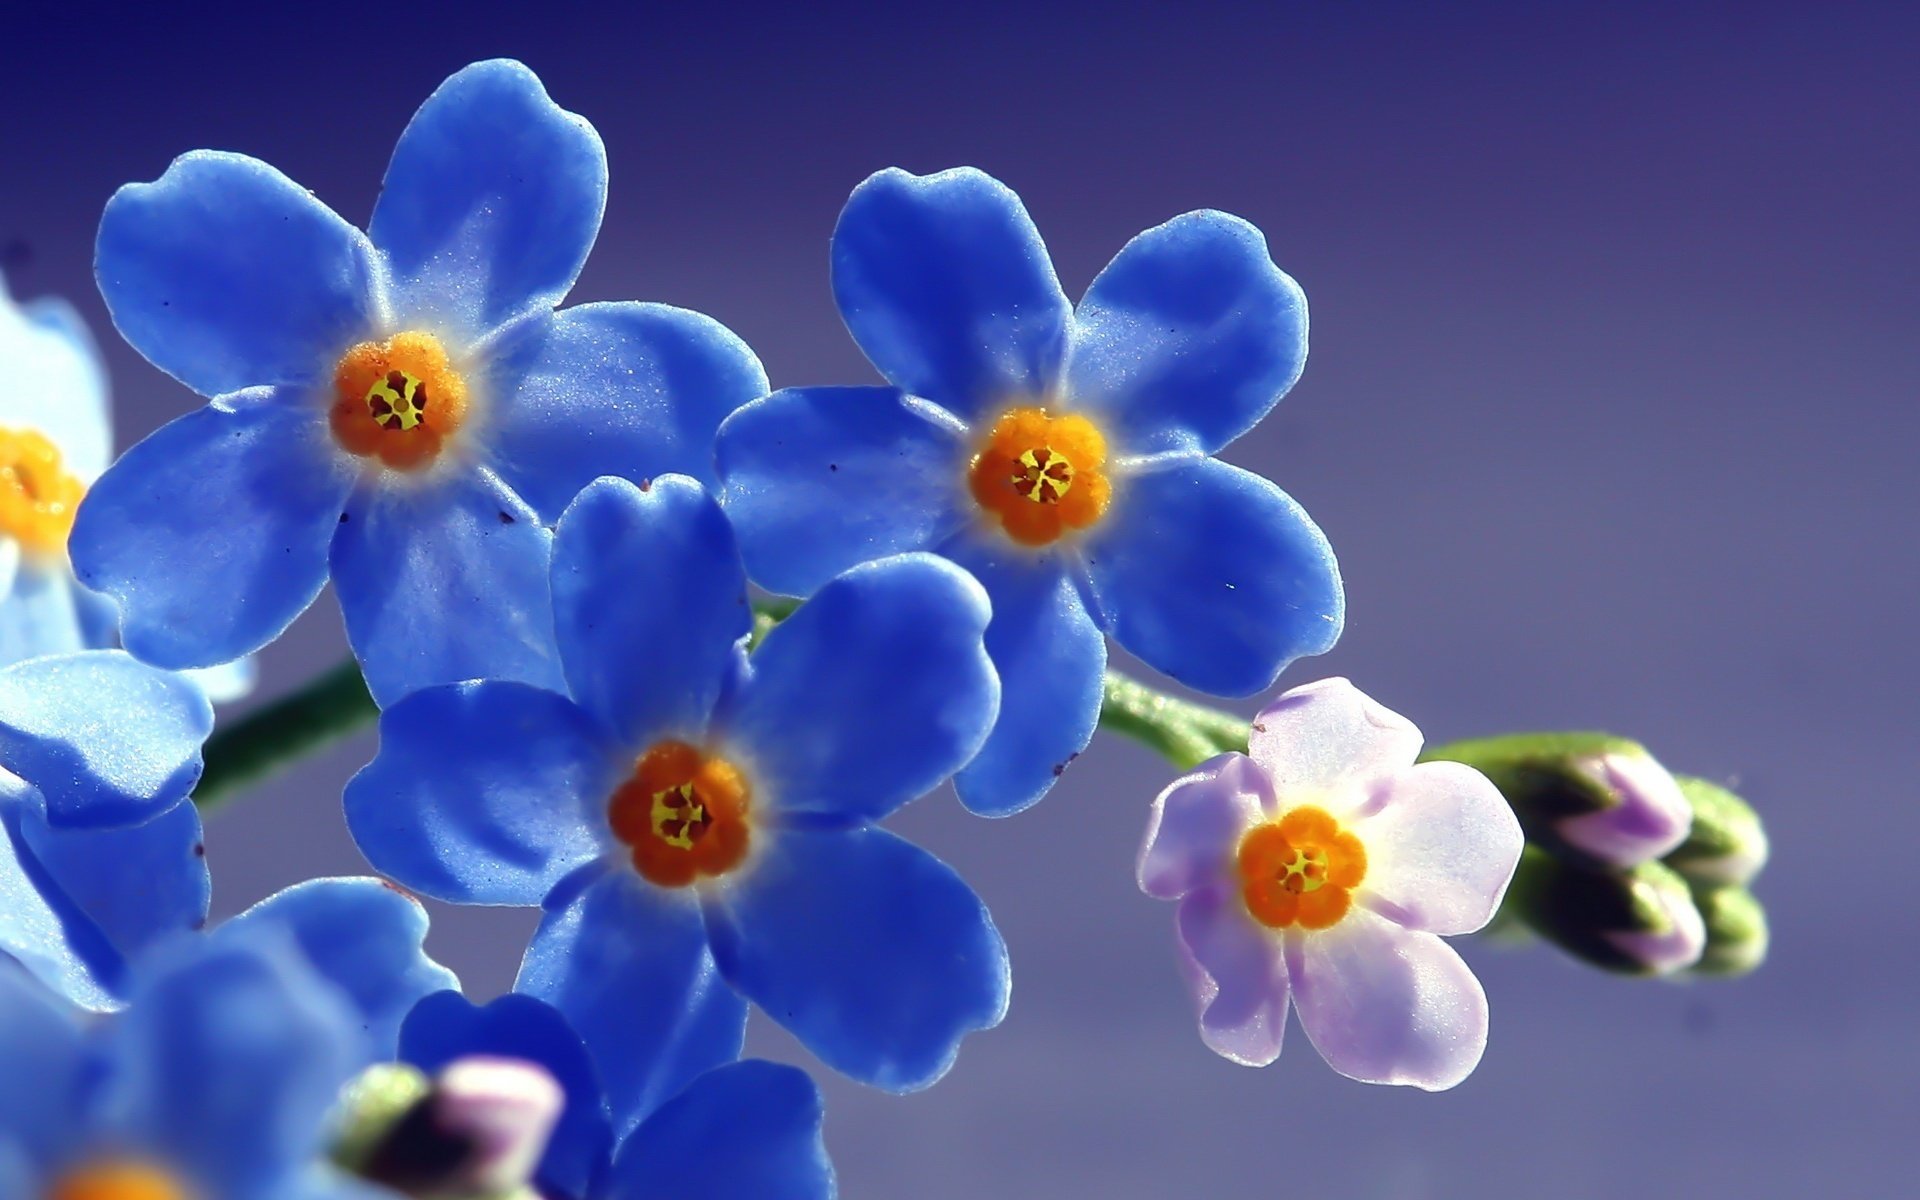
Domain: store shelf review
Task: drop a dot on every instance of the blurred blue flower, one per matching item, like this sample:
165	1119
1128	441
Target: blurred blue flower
699	826
1062	455
215	1084
400	410
745	1131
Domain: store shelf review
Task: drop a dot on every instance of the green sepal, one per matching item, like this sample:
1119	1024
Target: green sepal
1737	934
1577	907
371	1107
1727	844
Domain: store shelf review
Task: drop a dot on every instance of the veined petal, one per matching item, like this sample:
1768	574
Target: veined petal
39	927
1385	1004
1188	337
1238	974
819	480
137	884
44	1062
944	282
1215	577
1197	823
56	382
106	739
1323	743
634	390
491	202
248	490
1051	658
757	1126
871	951
649	598
872	692
483	793
627	964
366	938
445	583
38	615
228	275
1442	847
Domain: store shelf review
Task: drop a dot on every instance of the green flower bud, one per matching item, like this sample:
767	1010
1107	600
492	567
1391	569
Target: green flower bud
1638	921
1736	931
1727	844
476	1131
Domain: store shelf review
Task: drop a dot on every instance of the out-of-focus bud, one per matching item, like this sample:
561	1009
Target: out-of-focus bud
1727	844
1736	931
1636	921
1587	796
474	1132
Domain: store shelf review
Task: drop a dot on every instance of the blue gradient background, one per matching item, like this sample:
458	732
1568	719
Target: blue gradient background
1611	415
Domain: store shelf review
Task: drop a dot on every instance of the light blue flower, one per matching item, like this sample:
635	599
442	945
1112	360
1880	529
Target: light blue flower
400	410
700	828
744	1131
1062	455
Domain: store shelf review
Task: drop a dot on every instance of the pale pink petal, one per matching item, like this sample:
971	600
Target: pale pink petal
1651	818
1322	743
1385	1004
1441	847
1677	946
1238	974
1197	823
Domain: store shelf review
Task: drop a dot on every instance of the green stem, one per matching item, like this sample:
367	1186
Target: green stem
1184	733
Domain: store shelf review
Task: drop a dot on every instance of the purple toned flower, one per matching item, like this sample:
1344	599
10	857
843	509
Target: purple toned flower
1650	815
503	1109
1320	873
1672	934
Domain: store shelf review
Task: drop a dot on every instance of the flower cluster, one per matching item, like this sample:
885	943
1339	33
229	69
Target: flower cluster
659	650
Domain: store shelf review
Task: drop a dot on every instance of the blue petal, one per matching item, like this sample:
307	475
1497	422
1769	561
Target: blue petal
227	682
482	793
491	202
227	1061
872	693
634	390
820	480
944	282
1051	658
871	951
648	601
137	884
247	490
227	275
627	963
43	1070
1215	576
445	1026
56	382
757	1129
445	583
1189	336
40	928
38	615
364	937
107	740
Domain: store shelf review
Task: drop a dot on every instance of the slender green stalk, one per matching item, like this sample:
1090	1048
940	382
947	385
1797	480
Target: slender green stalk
1184	733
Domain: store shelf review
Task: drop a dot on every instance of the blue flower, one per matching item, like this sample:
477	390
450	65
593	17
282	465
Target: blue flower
701	828
745	1131
1062	455
401	409
215	1084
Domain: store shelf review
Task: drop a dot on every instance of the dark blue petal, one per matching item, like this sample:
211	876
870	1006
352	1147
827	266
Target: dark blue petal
634	390
944	282
872	693
1051	659
627	964
226	1063
40	929
227	275
868	949
491	202
483	793
38	615
1188	337
820	480
364	937
445	1026
136	884
248	491
648	601
43	1072
1215	576
749	1131
445	583
106	739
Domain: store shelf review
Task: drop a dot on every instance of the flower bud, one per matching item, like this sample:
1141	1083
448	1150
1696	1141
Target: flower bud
1637	921
475	1132
1736	931
1727	845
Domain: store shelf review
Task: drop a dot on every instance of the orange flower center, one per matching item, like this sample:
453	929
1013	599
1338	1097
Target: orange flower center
116	1180
1300	870
37	495
1041	476
683	814
397	400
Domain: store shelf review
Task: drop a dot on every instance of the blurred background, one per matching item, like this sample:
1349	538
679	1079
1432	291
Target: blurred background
1610	414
